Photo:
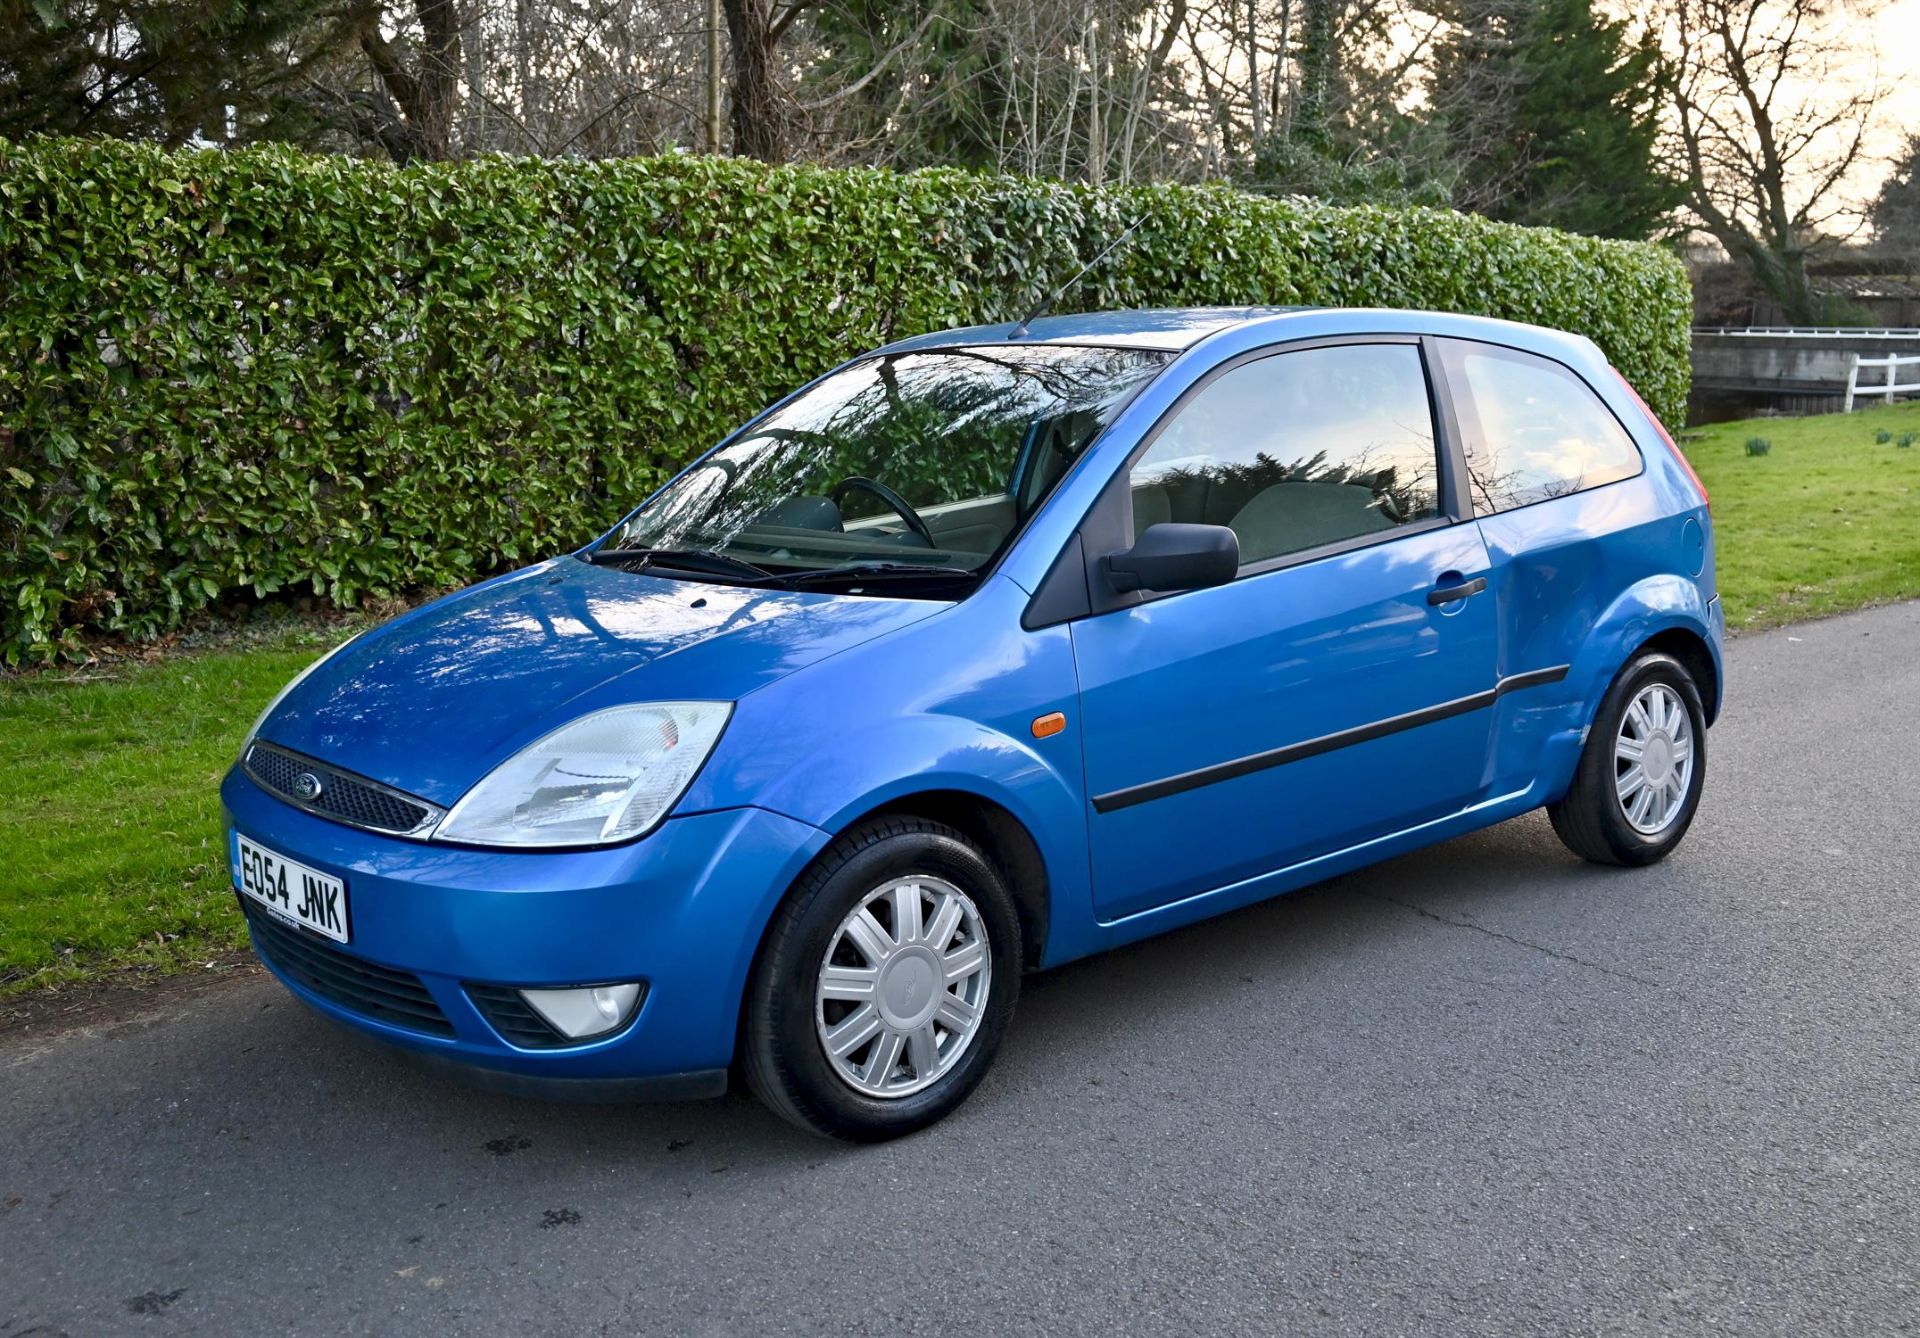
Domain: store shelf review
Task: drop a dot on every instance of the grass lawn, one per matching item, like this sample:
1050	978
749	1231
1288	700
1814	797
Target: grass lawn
1827	520
111	854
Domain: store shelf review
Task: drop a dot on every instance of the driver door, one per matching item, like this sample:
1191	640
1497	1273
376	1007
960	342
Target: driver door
1323	698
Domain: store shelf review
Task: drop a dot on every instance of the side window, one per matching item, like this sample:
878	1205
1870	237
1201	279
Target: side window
1541	431
1297	450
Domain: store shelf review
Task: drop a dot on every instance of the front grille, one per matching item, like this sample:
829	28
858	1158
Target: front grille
507	1013
342	796
379	992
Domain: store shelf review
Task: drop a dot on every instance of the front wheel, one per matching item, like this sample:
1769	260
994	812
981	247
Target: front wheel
885	984
1639	779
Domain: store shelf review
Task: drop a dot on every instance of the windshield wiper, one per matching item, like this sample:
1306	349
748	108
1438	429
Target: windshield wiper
703	561
871	571
706	562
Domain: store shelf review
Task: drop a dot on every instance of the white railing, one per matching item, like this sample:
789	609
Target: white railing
1893	385
1824	331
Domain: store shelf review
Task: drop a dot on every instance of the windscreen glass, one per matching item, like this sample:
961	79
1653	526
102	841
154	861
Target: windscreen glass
925	459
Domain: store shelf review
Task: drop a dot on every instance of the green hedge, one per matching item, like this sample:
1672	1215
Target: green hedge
263	370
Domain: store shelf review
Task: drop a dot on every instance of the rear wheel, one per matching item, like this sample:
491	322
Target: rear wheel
886	982
1639	779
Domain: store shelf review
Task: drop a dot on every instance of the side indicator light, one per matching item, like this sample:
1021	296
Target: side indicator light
1048	725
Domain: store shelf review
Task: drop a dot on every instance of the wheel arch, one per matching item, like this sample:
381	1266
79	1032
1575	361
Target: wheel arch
1666	612
1691	649
1001	836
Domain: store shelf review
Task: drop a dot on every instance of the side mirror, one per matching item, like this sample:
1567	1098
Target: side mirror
1172	556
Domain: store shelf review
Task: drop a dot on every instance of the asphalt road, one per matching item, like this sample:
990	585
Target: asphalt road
1482	1089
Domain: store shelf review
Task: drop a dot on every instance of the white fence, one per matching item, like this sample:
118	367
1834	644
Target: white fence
1893	385
1823	331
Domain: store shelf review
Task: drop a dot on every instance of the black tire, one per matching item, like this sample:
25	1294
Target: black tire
784	1059
1589	820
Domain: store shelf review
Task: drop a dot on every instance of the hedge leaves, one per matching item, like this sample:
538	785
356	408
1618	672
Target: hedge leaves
269	371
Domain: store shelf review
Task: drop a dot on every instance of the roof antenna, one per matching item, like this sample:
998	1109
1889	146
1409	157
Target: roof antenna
1046	303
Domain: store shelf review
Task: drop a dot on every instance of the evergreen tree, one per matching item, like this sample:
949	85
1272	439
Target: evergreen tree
1896	210
925	70
1551	117
168	70
1343	138
1387	164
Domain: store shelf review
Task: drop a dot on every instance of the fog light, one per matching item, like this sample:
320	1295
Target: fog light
590	1010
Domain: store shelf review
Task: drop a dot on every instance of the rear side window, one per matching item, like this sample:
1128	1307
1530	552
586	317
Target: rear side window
1298	450
1533	430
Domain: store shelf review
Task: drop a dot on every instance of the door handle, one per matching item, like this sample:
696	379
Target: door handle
1446	594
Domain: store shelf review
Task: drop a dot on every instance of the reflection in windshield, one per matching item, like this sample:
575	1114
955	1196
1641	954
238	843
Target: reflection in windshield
917	460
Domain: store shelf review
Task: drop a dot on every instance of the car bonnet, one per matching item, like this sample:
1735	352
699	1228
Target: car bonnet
432	701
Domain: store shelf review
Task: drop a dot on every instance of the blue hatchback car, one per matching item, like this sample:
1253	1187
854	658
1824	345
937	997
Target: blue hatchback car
983	652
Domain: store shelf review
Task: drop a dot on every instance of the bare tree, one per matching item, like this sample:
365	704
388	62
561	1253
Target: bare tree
416	59
1093	90
760	118
1084	90
1769	124
712	140
599	78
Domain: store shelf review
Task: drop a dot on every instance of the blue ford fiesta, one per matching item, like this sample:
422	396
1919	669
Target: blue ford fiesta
983	652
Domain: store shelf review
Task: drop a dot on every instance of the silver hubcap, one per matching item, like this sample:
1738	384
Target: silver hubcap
904	986
1653	759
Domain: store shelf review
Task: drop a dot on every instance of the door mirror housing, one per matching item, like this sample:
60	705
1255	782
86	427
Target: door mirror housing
1172	556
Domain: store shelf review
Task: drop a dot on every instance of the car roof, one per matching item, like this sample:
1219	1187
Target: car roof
1176	329
1170	328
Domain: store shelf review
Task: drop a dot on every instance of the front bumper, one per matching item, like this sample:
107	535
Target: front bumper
682	909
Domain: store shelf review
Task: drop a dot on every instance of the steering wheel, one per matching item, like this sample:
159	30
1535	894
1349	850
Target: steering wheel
861	483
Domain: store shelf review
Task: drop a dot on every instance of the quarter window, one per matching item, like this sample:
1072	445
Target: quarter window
1541	431
1298	450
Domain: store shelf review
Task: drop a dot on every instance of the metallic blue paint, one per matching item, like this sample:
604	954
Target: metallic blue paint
1167	328
433	700
848	703
1274	659
675	909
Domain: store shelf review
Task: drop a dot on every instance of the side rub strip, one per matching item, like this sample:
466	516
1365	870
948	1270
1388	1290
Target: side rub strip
1326	743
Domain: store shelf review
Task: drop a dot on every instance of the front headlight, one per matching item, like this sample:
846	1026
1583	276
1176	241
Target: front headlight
606	777
292	683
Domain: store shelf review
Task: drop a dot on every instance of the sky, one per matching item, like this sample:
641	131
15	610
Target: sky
1895	33
1885	53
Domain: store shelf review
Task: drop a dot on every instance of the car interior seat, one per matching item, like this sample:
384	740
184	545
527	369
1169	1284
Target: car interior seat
1288	517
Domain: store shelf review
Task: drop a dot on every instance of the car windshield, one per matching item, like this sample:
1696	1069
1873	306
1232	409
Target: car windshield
912	470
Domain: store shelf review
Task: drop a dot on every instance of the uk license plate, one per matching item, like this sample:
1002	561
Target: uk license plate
290	890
